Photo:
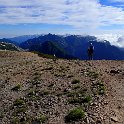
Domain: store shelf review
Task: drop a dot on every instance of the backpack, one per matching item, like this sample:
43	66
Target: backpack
91	49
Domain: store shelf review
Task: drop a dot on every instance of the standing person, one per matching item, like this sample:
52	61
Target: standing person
90	51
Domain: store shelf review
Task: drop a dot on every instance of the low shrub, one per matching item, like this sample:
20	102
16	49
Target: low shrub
101	88
93	74
42	119
75	115
87	99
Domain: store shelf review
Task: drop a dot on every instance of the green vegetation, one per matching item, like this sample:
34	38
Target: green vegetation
16	88
80	100
101	88
93	74
75	115
79	92
19	102
79	96
20	110
44	55
42	118
17	120
87	99
32	92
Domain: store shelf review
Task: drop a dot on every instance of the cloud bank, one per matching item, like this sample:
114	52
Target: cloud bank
88	16
117	40
77	13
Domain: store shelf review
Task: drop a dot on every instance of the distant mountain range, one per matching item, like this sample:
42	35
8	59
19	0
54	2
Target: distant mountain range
23	38
69	47
74	45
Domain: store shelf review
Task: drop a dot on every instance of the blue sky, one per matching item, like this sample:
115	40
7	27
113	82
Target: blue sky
21	17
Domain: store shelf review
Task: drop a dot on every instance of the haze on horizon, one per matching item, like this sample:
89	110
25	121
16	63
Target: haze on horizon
93	17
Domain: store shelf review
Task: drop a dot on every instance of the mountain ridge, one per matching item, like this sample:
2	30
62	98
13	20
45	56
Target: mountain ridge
76	46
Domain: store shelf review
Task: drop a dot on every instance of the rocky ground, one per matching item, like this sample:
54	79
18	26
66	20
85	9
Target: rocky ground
36	90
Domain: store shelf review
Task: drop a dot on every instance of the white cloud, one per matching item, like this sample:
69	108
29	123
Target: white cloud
120	41
86	15
79	14
114	39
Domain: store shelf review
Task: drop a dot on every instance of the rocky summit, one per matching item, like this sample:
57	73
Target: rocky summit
37	90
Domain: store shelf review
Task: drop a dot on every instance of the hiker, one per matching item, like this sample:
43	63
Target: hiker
90	51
